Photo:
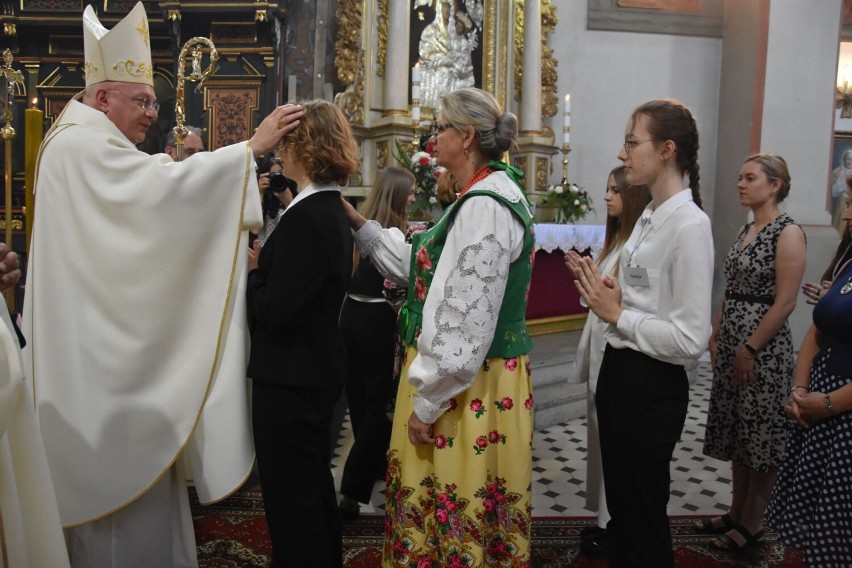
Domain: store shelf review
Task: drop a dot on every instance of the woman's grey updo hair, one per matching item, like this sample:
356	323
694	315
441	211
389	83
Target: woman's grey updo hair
496	130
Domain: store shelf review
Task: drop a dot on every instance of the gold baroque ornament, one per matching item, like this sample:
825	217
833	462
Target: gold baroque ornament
382	26
549	76
350	60
348	43
131	67
89	69
351	101
142	28
382	154
541	172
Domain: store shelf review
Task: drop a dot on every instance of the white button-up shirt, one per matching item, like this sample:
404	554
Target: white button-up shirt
670	318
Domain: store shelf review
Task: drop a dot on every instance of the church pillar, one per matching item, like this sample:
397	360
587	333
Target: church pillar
531	82
779	60
396	66
534	149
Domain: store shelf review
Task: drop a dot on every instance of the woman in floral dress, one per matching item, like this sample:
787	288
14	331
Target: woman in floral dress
752	350
459	472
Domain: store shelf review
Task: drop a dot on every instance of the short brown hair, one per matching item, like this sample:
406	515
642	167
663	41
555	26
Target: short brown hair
323	143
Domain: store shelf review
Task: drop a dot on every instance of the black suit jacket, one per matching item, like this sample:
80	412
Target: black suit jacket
295	294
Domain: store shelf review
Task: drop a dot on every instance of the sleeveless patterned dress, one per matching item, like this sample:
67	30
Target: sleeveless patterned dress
747	425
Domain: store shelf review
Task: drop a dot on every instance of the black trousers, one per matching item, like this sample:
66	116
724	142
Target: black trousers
641	406
291	431
368	331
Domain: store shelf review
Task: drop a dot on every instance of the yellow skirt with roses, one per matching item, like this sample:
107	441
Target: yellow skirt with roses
466	500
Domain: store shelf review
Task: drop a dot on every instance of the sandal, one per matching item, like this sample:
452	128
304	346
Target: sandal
709	526
728	542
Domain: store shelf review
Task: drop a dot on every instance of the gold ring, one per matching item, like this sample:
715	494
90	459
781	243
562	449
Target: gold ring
282	123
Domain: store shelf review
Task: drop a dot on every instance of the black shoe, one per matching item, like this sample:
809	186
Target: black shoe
595	546
590	531
349	508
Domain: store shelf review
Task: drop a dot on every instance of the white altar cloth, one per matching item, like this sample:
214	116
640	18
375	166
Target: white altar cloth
553	236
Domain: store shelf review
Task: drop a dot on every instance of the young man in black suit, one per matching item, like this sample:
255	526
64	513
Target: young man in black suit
296	286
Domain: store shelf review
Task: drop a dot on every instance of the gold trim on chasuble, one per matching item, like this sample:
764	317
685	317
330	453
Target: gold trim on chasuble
51	133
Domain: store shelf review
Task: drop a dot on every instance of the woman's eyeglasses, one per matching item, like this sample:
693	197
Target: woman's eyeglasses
437	128
629	145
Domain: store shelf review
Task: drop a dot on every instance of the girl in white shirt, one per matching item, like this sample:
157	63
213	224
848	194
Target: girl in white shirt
659	315
624	205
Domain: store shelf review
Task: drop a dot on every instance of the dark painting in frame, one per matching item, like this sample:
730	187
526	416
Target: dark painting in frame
609	15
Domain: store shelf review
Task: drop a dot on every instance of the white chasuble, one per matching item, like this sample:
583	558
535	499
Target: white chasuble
30	531
135	315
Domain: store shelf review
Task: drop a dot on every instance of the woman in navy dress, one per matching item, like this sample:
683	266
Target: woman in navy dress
811	504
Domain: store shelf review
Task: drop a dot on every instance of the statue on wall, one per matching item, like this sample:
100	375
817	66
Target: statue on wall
445	49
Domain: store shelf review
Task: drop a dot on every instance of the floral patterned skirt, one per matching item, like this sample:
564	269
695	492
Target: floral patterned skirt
467	499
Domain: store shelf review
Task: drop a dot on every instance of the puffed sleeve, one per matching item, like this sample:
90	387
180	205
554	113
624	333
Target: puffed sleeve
462	304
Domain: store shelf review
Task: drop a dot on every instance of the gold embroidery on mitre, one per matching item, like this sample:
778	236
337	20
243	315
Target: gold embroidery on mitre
89	70
142	28
133	68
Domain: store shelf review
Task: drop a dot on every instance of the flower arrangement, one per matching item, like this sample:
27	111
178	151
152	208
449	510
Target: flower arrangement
571	202
426	173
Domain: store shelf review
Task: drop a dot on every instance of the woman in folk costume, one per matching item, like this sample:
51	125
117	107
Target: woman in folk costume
624	206
459	471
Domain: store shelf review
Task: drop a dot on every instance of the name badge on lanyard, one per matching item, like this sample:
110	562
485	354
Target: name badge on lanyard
636	276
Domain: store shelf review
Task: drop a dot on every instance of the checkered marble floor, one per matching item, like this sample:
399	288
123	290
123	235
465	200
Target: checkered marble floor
700	485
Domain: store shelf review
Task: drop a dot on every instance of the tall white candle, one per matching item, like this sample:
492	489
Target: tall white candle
415	114
566	119
415	73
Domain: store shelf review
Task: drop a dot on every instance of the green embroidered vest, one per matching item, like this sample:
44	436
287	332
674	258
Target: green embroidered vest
511	336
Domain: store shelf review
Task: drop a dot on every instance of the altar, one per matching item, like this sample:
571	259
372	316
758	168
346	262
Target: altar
554	303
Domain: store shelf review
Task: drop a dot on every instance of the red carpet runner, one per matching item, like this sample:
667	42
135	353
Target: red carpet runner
232	534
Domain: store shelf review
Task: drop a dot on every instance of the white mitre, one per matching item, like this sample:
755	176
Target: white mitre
120	54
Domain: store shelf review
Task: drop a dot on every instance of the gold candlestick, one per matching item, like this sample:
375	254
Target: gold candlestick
566	148
196	76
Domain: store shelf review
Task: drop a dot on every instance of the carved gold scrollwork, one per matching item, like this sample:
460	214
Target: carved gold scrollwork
382	26
351	101
16	224
521	164
549	76
382	155
348	42
174	15
9	29
541	172
350	60
260	16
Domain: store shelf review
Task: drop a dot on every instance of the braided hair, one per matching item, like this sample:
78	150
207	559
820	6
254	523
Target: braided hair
669	119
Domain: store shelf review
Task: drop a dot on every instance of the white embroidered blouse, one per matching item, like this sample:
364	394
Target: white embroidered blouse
460	312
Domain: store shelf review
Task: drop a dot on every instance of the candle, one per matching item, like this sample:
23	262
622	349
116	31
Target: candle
33	133
566	119
415	114
415	73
